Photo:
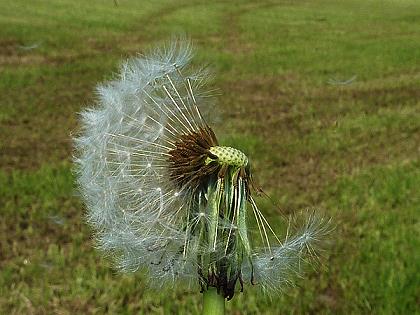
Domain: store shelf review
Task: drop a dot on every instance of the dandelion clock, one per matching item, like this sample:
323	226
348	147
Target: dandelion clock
165	198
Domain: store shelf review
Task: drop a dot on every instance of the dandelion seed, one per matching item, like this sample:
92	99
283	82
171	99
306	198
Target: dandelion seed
334	81
165	196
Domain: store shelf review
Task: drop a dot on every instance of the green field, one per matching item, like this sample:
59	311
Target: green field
323	96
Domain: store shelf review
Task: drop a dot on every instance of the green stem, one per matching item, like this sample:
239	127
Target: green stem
213	302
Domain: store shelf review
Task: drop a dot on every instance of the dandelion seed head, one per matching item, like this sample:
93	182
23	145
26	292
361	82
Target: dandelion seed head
164	197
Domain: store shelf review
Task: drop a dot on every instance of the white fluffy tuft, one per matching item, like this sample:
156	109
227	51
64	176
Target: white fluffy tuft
121	160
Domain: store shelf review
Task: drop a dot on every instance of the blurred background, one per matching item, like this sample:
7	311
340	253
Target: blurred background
322	95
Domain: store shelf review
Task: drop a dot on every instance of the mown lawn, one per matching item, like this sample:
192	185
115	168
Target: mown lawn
323	96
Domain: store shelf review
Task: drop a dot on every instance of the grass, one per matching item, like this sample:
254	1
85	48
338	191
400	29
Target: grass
348	149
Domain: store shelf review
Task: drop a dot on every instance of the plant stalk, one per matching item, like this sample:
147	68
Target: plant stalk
213	302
